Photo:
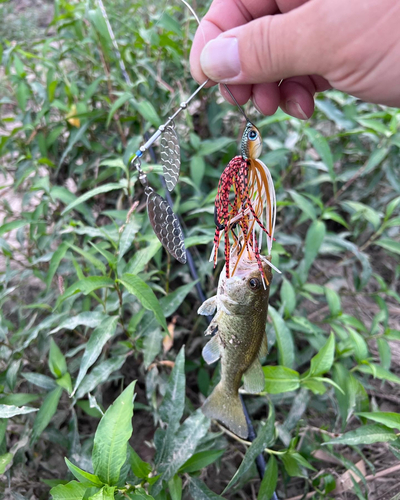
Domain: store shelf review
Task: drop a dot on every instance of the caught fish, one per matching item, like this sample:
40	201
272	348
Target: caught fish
240	307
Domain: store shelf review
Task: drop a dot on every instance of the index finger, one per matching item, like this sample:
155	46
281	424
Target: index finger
224	15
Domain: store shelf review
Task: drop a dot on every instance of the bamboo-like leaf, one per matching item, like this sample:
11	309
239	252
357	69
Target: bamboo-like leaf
8	411
145	295
46	412
100	336
111	438
284	339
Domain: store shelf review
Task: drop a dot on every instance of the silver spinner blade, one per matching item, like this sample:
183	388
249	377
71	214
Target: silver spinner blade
170	156
166	225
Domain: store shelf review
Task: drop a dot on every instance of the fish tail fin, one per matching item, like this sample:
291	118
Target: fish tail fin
228	409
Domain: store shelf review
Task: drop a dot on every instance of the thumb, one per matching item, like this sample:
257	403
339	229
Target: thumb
268	49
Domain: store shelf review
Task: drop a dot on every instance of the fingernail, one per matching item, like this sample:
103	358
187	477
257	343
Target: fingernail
257	107
220	59
293	108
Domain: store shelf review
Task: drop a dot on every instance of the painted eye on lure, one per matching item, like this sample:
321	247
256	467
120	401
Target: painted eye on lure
252	135
254	283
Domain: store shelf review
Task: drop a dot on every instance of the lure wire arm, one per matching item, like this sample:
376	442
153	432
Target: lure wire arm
183	105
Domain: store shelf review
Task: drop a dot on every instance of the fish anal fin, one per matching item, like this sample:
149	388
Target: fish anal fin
227	408
208	307
211	351
263	348
254	378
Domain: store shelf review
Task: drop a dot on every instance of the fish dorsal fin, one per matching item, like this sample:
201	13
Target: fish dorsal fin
263	348
211	351
254	379
208	307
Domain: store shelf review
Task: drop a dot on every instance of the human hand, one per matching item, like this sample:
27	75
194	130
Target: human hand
308	46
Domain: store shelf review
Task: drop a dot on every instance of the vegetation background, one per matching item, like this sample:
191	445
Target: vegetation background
89	301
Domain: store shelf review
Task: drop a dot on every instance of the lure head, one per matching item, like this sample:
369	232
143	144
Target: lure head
251	142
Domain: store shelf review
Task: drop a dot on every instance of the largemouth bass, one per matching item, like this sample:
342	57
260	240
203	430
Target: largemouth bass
241	306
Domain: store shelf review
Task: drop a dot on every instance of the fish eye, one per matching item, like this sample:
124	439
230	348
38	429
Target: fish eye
252	135
254	283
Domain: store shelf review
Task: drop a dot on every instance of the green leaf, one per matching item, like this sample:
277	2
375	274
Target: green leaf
387	244
197	169
359	345
106	493
181	448
8	411
362	257
140	468
46	412
199	491
333	300
65	382
19	399
291	465
145	295
322	362
322	147
314	238
127	237
151	345
266	436
71	491
57	363
105	188
148	112
99	374
170	303
10	226
391	206
56	258
201	460
378	372
389	419
288	296
142	257
86	286
4	461
87	318
210	146
83	476
111	438
75	136
268	483
90	258
363	211
175	487
280	379
173	404
385	353
100	336
116	105
284	339
367	434
303	204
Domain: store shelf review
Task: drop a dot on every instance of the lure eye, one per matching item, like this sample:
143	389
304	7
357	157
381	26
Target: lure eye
254	283
252	135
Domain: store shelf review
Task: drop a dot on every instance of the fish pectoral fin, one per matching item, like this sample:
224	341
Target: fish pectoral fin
263	348
208	307
254	379
211	351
